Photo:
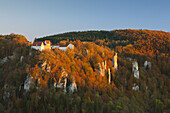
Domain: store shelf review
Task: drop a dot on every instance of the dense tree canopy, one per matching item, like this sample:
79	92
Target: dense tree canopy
142	40
94	94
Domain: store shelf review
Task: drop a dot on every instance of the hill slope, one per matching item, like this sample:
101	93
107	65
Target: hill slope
94	94
141	39
8	43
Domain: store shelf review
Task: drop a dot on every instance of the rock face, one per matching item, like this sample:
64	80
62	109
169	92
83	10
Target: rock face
27	83
86	51
46	66
109	76
73	86
63	80
136	74
4	60
147	65
115	62
134	66
102	68
135	87
135	69
21	58
11	57
6	92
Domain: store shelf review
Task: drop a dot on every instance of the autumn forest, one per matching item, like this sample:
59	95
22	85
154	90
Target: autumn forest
99	87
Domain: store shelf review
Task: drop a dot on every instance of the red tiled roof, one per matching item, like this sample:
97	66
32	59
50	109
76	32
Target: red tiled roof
47	41
37	43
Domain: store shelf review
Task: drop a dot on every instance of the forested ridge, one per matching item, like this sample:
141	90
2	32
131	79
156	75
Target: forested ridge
94	94
142	40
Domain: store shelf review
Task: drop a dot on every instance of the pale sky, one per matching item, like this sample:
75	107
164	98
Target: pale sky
38	18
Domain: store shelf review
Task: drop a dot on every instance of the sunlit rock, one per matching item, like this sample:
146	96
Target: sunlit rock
48	69
103	54
102	68
115	61
46	66
109	76
86	51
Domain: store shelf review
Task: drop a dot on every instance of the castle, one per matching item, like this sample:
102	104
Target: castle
41	46
47	45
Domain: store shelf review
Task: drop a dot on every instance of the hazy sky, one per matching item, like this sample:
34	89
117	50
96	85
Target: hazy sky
37	18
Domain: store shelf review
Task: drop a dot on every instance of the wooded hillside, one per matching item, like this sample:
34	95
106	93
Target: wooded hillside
94	93
142	40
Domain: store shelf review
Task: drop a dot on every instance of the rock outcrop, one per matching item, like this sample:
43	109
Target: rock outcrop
115	62
62	80
6	92
134	66
46	66
147	65
135	69
73	86
135	87
109	76
4	60
21	58
102	68
28	82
